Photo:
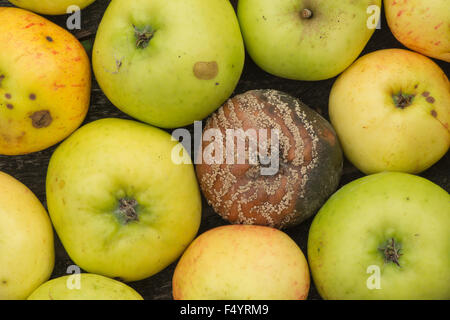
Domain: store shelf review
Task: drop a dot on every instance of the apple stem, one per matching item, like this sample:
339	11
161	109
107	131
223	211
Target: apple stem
143	36
403	100
127	209
391	252
306	14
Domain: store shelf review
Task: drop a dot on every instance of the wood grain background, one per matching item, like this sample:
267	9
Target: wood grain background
31	169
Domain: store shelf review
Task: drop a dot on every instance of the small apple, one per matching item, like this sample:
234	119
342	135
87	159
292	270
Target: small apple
242	262
121	207
304	39
422	26
168	63
26	241
384	236
391	111
51	7
86	287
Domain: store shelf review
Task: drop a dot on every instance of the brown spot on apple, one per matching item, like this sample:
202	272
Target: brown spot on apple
434	113
431	100
41	119
206	70
426	94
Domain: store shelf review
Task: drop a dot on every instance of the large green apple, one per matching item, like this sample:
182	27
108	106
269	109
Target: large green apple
242	262
168	63
391	111
306	39
27	255
384	236
120	205
84	286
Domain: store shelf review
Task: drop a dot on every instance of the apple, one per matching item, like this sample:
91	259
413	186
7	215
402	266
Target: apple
168	63
242	262
26	241
384	236
121	207
304	39
422	26
86	287
45	82
391	111
51	7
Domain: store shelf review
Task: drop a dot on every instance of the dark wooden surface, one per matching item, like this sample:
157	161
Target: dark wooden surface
31	169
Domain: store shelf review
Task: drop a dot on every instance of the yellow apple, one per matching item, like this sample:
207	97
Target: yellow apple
391	111
121	207
86	287
51	7
26	241
421	25
242	262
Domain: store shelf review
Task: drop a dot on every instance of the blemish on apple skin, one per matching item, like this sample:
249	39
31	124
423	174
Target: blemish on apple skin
206	70
434	113
41	119
32	96
426	94
431	100
10	106
8	96
49	39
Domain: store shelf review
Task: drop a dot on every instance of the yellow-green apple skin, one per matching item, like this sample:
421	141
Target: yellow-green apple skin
242	262
189	64
91	287
349	235
422	26
26	241
391	111
286	44
121	207
51	7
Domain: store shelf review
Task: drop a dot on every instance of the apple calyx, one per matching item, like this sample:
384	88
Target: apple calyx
143	36
403	100
127	210
306	14
391	252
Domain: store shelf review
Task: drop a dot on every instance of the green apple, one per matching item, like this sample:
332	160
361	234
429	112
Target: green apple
168	63
242	262
51	7
391	111
384	236
27	254
86	287
422	26
121	207
305	39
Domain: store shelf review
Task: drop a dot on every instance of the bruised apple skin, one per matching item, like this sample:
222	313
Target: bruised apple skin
26	241
422	26
242	263
168	63
45	82
90	287
50	7
391	111
310	162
